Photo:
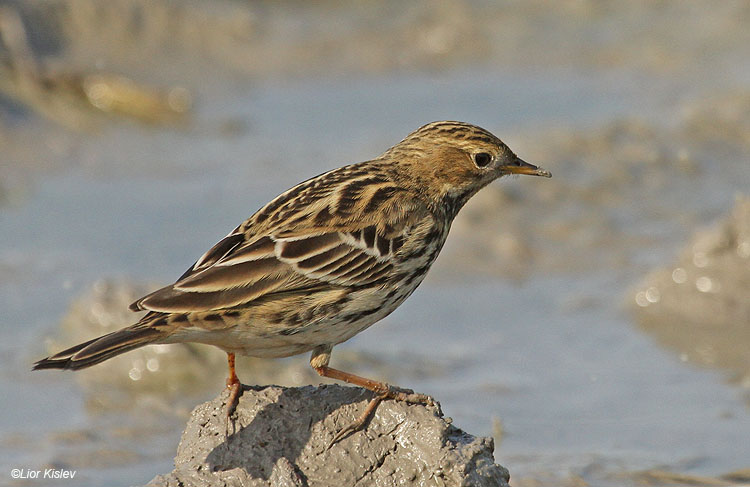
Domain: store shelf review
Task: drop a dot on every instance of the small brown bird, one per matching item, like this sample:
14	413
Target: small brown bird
322	261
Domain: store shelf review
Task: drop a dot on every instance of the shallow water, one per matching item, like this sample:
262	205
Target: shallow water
553	354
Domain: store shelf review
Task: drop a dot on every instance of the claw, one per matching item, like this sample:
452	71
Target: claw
406	395
358	423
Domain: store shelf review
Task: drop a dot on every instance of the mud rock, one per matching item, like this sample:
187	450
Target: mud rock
280	437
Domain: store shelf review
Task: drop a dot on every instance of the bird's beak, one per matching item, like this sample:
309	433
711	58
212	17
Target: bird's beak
519	166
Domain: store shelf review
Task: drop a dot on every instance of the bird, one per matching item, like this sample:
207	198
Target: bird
321	262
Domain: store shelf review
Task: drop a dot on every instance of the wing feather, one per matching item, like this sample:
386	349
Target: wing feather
261	248
267	256
173	300
307	246
241	274
324	258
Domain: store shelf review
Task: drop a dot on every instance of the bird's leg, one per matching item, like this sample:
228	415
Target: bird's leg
234	386
319	361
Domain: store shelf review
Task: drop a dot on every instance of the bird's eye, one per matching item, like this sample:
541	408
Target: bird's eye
481	159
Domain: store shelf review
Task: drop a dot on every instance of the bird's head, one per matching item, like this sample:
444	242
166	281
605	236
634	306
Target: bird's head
451	161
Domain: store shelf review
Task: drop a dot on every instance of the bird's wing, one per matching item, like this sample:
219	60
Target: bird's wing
236	272
337	230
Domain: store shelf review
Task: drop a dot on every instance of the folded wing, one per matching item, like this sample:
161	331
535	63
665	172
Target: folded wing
235	272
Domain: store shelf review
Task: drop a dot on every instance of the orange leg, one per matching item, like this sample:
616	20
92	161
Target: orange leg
380	388
234	386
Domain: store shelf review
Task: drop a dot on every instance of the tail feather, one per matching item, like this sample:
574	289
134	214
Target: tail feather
100	349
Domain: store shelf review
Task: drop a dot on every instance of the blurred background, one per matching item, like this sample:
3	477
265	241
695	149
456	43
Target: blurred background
597	324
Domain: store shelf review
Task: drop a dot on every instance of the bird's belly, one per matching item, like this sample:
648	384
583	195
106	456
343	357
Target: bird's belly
282	331
362	309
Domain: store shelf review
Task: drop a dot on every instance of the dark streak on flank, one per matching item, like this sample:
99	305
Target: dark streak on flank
354	317
417	252
293	320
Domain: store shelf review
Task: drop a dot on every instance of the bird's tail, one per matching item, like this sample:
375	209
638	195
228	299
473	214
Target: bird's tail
100	349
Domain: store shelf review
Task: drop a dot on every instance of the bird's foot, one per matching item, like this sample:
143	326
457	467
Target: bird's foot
408	396
384	391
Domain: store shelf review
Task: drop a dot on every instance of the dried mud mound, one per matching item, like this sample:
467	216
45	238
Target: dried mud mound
280	437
